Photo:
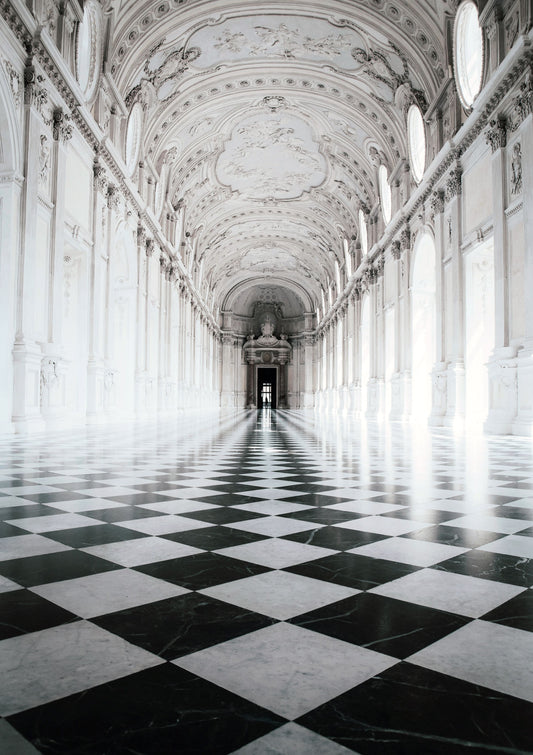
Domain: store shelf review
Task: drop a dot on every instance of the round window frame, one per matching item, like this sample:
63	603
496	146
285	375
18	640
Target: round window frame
467	98
385	193
133	133
89	58
417	162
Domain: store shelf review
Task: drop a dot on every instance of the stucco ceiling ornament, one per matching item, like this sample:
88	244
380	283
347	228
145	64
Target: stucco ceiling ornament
162	72
271	155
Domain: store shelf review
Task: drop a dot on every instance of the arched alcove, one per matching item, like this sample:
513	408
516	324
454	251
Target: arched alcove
423	289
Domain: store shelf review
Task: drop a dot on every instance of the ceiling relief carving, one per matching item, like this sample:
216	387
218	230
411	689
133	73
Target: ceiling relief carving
271	155
280	120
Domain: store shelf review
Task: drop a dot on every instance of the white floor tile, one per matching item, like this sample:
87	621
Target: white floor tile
53	522
22	546
272	507
492	655
146	550
42	666
415	552
488	523
456	593
381	525
286	669
276	553
274	526
293	739
108	592
512	545
279	594
163	525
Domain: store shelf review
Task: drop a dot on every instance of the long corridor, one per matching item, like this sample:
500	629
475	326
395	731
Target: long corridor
265	582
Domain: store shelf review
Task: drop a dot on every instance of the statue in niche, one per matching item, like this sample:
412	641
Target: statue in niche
516	169
267	337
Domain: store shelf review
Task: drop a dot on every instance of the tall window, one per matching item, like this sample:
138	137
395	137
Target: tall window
347	257
417	142
363	233
468	52
385	193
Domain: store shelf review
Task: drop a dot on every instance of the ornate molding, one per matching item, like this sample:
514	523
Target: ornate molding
496	134
453	184
523	102
437	202
61	126
396	250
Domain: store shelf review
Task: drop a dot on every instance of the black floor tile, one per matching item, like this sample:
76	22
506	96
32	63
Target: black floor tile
22	611
23	511
62	495
222	515
53	567
517	612
359	572
324	515
122	513
135	499
337	538
497	566
179	626
160	711
458	536
408	710
9	530
214	538
201	570
385	625
98	534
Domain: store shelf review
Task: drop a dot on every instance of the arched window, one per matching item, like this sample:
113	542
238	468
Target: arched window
417	142
363	233
385	193
133	137
468	52
89	49
347	257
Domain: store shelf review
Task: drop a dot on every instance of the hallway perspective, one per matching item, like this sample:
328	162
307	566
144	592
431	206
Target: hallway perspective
261	582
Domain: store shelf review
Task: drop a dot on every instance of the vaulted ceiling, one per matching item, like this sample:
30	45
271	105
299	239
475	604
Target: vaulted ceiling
266	122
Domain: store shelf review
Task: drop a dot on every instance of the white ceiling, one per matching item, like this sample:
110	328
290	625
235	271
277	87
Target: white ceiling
272	118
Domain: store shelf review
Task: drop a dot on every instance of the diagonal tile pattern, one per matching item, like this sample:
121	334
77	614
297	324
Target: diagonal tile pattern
265	583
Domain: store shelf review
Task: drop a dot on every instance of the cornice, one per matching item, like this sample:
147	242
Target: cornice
25	29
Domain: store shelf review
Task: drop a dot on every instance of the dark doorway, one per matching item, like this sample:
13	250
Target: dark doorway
266	387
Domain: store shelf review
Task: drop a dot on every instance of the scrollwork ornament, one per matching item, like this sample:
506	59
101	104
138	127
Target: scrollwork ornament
35	94
150	247
405	239
437	203
113	197
61	126
523	102
396	250
453	184
496	134
99	177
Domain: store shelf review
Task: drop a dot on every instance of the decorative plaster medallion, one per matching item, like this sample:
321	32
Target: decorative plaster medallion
271	155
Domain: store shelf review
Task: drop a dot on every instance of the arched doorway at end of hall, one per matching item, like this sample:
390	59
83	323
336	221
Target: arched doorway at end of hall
267	379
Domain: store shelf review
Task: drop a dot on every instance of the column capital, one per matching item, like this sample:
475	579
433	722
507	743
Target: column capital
496	134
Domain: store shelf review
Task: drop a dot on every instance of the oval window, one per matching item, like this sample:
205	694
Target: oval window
385	193
417	142
363	232
89	50
133	137
468	52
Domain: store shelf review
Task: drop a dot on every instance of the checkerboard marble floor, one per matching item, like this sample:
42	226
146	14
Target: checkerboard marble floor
261	583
